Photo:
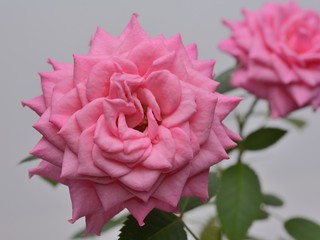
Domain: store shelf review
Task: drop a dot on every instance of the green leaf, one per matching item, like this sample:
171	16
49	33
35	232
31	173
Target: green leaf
187	204
224	80
262	138
159	225
262	215
238	200
272	200
302	229
28	159
109	225
50	181
211	231
296	122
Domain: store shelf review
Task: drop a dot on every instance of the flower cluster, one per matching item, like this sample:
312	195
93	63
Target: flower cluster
136	123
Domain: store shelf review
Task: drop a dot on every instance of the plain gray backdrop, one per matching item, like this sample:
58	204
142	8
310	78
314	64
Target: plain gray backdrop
34	30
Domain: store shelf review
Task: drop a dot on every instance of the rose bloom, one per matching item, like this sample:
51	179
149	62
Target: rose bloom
135	123
278	51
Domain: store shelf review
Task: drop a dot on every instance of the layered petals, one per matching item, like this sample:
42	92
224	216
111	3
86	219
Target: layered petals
277	49
134	124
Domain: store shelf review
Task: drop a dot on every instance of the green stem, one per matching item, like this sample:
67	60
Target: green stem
244	120
190	231
241	123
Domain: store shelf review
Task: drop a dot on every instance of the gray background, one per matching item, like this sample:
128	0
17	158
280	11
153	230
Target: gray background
32	31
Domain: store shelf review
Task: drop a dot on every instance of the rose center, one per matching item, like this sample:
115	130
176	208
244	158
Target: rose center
142	125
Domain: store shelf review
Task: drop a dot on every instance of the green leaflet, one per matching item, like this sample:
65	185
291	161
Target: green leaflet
262	138
159	225
224	80
302	229
238	200
109	225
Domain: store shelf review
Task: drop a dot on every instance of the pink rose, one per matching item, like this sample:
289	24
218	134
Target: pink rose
278	50
134	124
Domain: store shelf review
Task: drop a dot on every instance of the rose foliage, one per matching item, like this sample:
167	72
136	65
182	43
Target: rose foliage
136	123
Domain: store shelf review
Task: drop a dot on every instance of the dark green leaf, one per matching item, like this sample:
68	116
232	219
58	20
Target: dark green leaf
238	200
187	204
262	215
272	200
109	225
159	225
28	159
298	123
211	231
50	181
302	229
262	138
224	80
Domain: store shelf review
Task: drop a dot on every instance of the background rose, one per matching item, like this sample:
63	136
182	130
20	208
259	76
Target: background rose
134	124
278	49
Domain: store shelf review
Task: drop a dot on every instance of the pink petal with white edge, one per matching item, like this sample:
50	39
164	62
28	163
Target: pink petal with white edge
37	104
48	152
84	198
197	186
166	89
140	179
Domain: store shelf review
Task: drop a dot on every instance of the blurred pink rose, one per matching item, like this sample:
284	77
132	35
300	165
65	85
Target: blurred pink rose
134	124
278	50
